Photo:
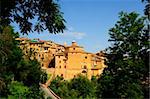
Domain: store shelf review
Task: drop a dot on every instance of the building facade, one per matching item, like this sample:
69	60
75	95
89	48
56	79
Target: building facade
63	60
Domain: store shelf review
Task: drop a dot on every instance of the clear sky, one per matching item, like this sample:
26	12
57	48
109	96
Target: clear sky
88	22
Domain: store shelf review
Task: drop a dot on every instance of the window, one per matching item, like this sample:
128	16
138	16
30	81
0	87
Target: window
84	71
31	49
84	67
59	61
65	67
59	66
74	48
61	75
59	56
85	57
45	48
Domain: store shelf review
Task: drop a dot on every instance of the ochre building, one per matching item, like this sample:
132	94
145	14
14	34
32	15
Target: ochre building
63	60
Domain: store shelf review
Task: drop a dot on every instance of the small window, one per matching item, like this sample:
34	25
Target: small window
59	66
74	48
84	67
31	49
59	56
59	61
45	48
61	75
65	67
84	71
85	57
42	57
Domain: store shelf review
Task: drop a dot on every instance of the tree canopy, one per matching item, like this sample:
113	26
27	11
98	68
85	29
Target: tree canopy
126	64
32	15
79	87
15	71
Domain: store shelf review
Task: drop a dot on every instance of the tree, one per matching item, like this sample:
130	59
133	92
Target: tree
46	13
147	8
10	55
79	87
145	53
126	68
17	90
13	67
83	86
29	72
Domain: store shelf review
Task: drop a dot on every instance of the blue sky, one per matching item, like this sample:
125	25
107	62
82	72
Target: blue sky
88	22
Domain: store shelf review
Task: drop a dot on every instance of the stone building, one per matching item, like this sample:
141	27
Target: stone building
63	60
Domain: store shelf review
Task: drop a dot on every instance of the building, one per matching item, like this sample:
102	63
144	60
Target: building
63	60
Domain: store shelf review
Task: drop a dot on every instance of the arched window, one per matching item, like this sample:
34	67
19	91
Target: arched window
84	71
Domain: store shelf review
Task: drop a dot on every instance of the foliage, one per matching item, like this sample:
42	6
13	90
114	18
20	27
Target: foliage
26	72
126	68
32	15
145	54
80	87
147	8
83	86
13	67
29	71
10	54
17	90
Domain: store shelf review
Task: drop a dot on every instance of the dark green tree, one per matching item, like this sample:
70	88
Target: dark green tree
84	87
145	54
10	55
126	67
13	67
77	88
32	15
18	90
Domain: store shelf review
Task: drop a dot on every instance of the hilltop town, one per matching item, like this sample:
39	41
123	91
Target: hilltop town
63	60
